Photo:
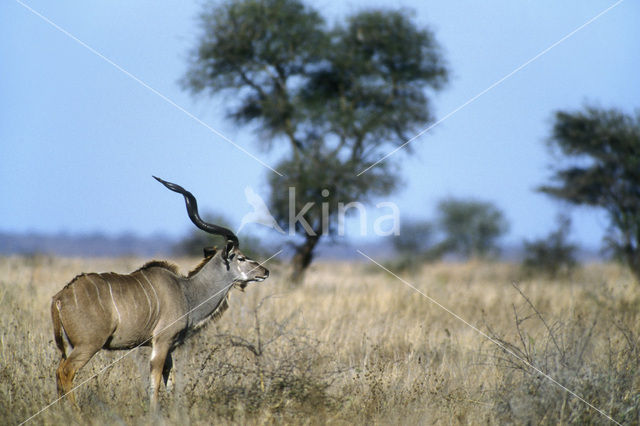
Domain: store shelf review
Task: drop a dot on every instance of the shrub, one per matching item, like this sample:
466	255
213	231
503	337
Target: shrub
553	255
592	384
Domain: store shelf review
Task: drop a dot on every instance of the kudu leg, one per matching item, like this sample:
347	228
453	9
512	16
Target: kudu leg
68	368
158	357
168	373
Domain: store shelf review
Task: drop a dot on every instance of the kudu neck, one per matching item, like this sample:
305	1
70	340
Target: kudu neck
207	288
214	271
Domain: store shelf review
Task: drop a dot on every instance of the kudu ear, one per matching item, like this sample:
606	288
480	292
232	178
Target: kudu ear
210	251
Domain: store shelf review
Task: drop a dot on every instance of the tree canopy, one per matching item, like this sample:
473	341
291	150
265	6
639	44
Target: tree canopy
601	149
338	97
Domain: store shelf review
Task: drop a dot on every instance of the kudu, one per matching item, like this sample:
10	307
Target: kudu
153	306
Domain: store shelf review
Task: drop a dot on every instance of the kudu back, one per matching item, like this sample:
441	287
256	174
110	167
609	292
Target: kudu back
154	306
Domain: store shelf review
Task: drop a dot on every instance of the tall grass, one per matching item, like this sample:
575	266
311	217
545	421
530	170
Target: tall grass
352	345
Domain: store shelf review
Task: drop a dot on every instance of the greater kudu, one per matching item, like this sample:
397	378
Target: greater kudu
153	306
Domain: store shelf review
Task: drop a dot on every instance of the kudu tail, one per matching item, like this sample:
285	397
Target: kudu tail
58	330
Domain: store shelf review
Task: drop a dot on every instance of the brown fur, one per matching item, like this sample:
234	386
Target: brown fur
171	267
221	309
160	264
76	278
57	329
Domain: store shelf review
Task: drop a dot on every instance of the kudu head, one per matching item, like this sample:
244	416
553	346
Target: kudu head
243	269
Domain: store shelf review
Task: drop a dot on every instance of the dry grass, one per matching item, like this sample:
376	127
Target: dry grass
353	345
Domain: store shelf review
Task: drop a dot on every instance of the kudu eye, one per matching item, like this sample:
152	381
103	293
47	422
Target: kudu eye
241	258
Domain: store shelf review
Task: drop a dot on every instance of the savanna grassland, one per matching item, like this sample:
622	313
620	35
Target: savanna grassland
353	345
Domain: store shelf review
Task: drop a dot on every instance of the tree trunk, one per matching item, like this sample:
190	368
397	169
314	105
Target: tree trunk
302	258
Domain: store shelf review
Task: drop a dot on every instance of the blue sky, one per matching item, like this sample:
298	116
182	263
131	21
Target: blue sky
80	139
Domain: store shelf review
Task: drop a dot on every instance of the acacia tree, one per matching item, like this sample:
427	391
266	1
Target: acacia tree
471	228
338	97
602	169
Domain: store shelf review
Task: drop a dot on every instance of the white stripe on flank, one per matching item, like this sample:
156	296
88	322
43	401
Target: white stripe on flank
135	304
146	323
97	291
114	301
154	292
73	289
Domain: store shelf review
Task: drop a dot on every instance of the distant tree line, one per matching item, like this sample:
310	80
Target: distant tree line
471	229
462	228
